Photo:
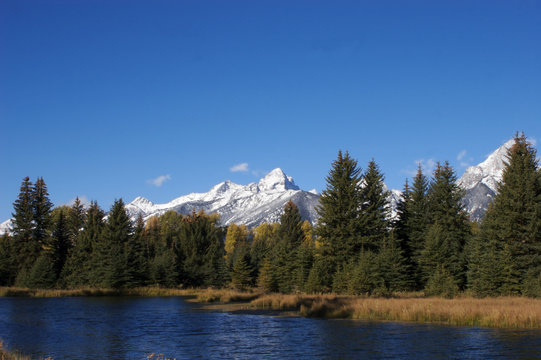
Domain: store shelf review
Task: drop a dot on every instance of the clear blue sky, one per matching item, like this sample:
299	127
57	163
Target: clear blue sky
101	96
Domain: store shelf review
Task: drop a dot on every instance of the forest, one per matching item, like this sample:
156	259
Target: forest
355	248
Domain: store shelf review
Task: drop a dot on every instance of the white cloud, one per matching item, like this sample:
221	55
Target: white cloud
243	167
82	199
428	166
462	160
159	180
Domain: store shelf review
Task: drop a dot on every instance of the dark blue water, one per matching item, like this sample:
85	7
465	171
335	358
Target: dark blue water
133	328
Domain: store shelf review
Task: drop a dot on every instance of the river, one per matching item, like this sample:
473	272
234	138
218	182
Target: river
135	327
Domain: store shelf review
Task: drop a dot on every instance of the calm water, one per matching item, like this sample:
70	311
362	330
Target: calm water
133	328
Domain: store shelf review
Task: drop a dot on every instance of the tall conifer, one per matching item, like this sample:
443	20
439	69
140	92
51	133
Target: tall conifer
450	229
510	229
25	246
41	207
338	226
374	208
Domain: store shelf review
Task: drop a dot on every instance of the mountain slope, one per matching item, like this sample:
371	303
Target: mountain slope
481	181
250	204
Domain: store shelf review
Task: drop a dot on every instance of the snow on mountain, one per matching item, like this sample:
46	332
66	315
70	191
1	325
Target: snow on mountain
5	227
250	204
481	181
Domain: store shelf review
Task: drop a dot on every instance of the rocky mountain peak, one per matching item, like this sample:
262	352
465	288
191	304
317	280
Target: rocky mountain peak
277	180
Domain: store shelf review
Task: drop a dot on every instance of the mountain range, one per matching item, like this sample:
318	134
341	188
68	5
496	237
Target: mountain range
264	201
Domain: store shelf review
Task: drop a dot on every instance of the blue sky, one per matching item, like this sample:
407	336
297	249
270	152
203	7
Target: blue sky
110	99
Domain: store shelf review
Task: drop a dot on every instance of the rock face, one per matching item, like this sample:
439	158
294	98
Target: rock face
481	181
251	204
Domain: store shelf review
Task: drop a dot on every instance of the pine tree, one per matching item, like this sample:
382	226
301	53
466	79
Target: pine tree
41	207
199	252
110	261
374	208
416	224
290	237
447	213
393	267
8	260
163	267
338	226
136	259
242	272
76	219
81	265
42	275
262	243
365	278
319	280
511	227
399	225
60	244
25	246
266	279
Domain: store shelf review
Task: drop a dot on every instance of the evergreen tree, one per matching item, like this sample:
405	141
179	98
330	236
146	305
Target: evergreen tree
441	283
136	259
511	227
111	265
290	237
319	280
199	252
393	267
81	265
242	272
60	244
76	219
374	208
453	229
338	227
400	227
365	278
416	224
41	207
262	244
8	260
26	249
267	279
164	270
42	275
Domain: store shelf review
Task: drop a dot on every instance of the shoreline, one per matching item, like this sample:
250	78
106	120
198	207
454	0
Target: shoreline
497	312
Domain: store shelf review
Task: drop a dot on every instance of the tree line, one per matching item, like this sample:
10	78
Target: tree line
355	248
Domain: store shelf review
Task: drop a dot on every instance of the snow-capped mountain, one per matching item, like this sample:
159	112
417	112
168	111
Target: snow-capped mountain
480	182
250	204
5	227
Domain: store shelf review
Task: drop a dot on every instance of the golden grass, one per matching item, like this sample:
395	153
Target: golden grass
143	291
14	355
503	312
220	295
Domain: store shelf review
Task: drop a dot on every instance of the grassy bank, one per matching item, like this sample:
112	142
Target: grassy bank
144	291
501	312
14	355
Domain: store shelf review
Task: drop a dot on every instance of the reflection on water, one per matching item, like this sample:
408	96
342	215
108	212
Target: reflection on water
133	328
